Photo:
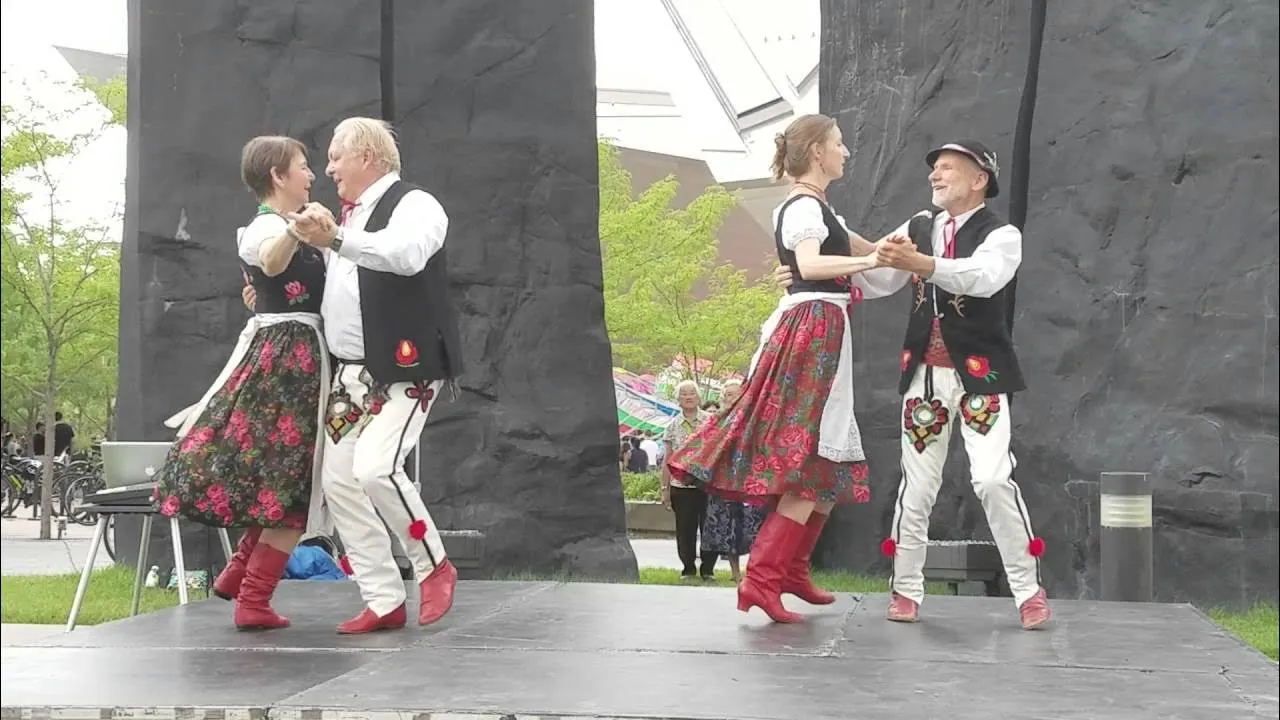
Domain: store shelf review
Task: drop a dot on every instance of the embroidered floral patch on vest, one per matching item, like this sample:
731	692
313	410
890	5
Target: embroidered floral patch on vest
406	354
980	367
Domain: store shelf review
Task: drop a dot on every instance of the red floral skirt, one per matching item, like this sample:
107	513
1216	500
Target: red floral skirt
766	444
247	460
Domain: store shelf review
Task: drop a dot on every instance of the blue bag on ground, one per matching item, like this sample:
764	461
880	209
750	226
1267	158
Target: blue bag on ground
309	562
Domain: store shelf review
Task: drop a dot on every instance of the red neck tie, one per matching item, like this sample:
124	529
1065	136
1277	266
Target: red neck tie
949	238
345	213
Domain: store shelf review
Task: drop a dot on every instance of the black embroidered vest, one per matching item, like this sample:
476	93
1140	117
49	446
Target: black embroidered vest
837	243
300	288
410	328
977	331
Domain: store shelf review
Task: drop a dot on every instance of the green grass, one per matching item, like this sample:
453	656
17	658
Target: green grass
46	599
1258	626
641	486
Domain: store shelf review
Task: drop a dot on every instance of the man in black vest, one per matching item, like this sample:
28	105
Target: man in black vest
958	366
392	331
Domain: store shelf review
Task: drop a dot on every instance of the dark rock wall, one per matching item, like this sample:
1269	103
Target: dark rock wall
497	119
497	115
1148	292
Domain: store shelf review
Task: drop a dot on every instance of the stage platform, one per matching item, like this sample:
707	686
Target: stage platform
526	650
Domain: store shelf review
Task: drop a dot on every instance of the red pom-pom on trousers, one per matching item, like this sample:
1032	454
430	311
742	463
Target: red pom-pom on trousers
889	547
418	529
1036	547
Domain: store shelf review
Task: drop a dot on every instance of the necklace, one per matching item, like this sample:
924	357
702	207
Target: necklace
813	188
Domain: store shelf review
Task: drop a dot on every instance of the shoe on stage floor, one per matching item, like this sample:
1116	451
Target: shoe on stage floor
1035	611
435	593
903	609
367	621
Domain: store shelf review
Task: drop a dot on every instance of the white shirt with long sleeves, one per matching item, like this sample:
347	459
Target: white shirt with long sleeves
982	274
414	233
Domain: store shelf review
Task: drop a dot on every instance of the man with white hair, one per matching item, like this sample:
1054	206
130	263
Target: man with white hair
385	255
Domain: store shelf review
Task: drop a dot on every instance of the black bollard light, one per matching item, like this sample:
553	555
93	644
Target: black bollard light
1126	540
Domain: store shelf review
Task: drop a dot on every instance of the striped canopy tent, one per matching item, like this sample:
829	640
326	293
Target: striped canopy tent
639	409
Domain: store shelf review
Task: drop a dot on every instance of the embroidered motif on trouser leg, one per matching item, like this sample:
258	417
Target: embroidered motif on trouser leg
364	470
991	469
926	435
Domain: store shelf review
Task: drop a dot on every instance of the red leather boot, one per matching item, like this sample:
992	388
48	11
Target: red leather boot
771	556
262	575
797	582
227	584
435	593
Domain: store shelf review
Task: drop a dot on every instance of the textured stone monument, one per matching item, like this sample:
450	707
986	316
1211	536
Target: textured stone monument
1147	297
496	117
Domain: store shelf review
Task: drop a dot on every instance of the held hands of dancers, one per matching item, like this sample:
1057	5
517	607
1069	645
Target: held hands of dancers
897	251
892	250
314	225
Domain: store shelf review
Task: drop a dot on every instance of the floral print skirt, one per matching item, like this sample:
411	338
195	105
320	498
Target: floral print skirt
766	444
730	527
248	458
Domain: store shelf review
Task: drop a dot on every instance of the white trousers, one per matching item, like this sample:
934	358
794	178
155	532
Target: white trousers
932	406
369	435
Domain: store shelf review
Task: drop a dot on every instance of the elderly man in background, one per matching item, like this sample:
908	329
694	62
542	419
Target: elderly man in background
687	501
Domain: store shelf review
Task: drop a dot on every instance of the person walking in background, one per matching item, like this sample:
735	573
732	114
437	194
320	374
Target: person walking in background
682	496
730	526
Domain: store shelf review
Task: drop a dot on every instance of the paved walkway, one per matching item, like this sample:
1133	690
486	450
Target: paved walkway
21	553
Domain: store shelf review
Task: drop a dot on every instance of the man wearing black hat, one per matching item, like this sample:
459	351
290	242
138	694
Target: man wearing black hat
958	366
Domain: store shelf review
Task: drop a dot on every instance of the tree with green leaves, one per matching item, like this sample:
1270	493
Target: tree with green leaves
113	94
666	293
60	282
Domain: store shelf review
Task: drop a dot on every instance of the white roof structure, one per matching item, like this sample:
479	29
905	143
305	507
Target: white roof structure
707	79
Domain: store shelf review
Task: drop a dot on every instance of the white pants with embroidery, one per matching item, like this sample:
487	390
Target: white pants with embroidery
364	478
985	426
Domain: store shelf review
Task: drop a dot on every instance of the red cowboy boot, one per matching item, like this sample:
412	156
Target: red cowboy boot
262	575
771	555
797	582
368	621
227	584
435	593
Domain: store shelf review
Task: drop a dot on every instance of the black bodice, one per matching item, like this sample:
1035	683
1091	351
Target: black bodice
300	288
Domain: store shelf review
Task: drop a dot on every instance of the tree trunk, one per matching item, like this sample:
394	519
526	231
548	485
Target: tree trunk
110	432
46	472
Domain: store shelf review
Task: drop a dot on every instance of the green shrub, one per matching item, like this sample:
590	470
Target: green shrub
641	486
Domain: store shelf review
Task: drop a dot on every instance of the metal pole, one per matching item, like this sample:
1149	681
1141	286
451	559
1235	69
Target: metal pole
387	60
1125	511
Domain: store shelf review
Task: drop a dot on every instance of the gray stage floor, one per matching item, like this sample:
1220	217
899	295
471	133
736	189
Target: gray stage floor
518	651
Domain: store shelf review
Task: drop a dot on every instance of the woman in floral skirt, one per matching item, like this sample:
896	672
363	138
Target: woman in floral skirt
792	437
246	454
730	526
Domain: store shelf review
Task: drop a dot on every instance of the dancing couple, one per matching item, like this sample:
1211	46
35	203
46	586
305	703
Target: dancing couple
328	389
792	438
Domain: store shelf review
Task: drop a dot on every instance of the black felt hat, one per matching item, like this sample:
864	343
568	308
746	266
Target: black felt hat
980	154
